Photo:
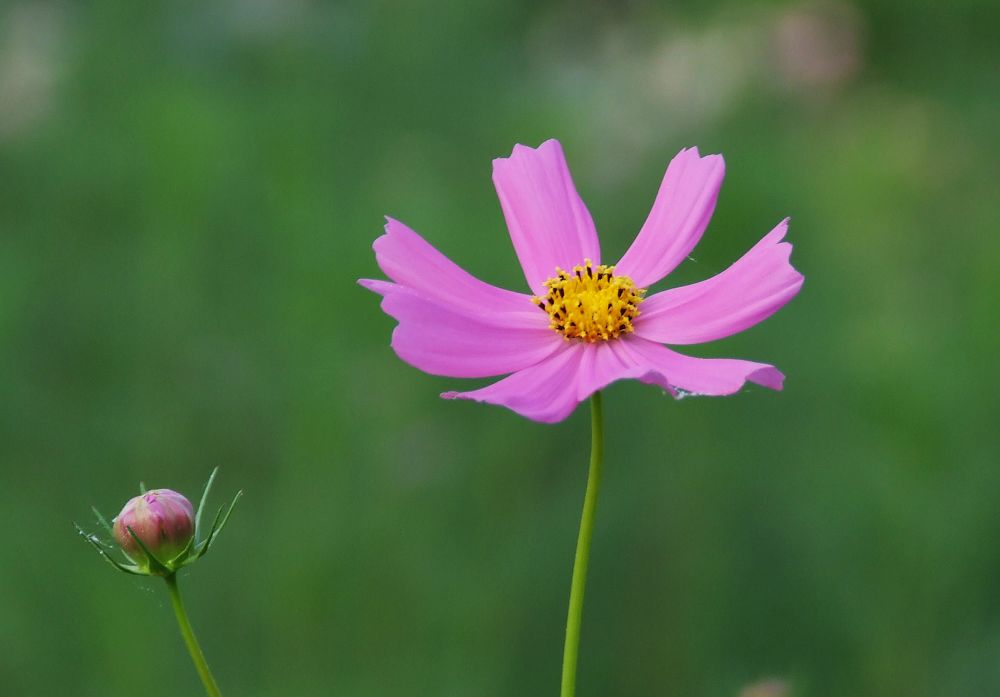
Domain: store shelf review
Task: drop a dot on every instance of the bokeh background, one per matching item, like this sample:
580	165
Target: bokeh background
188	191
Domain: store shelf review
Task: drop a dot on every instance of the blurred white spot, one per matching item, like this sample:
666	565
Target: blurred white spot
703	71
767	688
819	45
31	36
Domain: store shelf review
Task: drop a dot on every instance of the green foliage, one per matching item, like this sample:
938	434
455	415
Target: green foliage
189	191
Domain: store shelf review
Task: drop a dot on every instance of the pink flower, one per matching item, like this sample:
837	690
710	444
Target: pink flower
586	325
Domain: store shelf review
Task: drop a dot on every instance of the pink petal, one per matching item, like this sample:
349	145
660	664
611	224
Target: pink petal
680	214
549	392
748	292
548	222
681	375
444	340
405	257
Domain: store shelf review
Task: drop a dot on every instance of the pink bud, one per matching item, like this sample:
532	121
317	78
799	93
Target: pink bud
162	519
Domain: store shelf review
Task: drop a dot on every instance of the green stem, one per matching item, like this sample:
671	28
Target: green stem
583	549
189	638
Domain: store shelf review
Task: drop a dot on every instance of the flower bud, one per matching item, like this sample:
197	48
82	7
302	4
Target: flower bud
162	519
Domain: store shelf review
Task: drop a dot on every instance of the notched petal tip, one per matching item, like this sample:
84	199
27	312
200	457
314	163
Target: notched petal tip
391	229
548	222
387	232
393	226
777	238
680	213
693	155
769	377
777	233
520	151
715	157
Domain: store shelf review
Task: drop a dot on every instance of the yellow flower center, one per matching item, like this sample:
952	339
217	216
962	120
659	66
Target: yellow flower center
591	303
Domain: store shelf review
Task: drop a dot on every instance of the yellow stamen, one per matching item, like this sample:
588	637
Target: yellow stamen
591	303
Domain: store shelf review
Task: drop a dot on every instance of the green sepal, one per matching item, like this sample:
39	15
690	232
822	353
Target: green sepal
96	543
220	522
201	504
156	567
103	521
183	555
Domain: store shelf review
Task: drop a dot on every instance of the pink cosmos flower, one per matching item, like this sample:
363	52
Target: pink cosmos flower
587	324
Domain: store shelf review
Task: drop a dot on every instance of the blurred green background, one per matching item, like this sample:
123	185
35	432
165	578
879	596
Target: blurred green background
188	191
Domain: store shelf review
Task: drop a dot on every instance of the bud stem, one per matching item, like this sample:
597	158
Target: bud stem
189	638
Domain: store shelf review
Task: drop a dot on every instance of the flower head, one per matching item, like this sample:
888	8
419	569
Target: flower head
161	519
585	324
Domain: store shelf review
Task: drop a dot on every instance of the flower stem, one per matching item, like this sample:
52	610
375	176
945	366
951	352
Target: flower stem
583	549
189	638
